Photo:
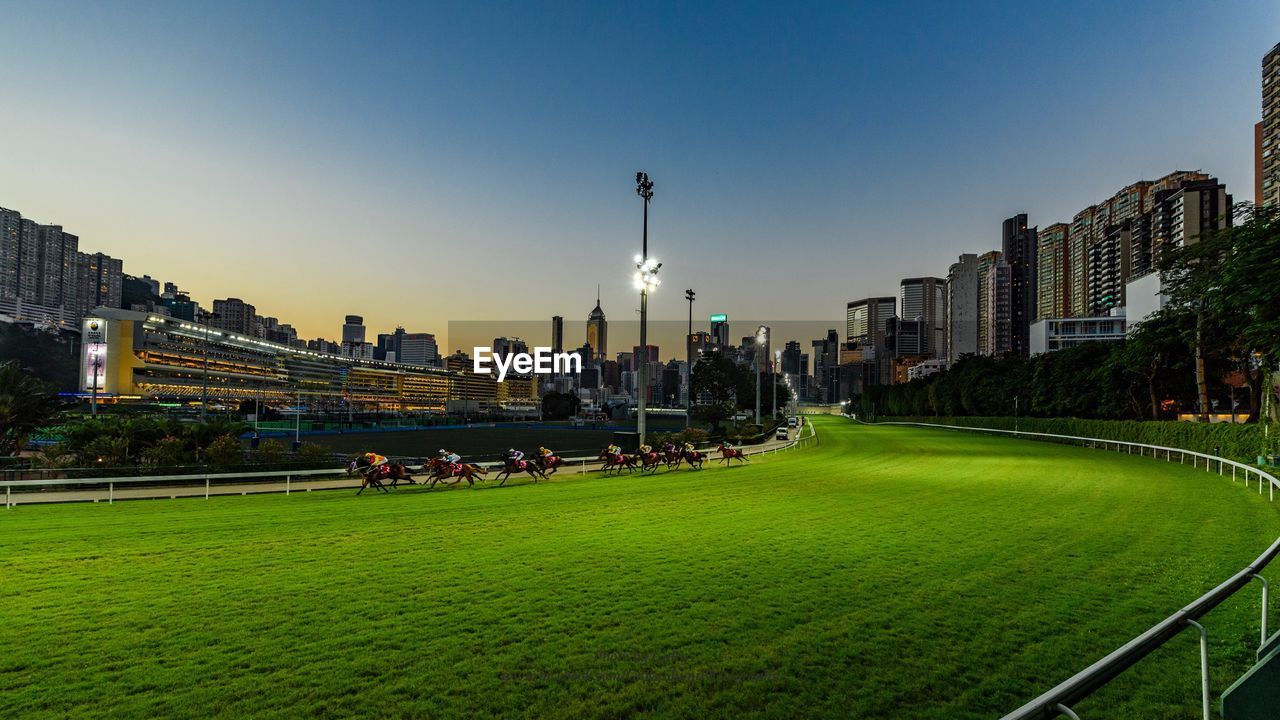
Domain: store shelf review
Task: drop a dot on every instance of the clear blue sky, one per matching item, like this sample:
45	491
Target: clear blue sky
476	160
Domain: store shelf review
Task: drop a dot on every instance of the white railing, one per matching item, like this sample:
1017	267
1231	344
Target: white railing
1058	701
161	486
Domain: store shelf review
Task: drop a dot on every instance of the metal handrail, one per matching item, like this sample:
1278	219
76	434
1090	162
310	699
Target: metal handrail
1058	701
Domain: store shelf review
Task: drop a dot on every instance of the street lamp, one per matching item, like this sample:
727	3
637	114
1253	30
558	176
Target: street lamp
773	380
688	348
762	337
646	280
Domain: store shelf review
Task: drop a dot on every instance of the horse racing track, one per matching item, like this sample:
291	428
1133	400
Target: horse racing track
886	572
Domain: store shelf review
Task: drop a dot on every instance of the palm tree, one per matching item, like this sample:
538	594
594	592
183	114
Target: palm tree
26	405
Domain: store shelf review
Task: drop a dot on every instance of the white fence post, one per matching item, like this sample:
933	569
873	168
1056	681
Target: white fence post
111	492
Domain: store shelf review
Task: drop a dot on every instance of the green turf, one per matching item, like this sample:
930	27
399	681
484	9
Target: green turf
889	572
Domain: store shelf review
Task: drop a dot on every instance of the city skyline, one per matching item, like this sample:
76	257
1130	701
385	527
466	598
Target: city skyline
304	207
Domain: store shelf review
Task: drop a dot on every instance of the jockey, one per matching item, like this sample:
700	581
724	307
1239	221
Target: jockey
688	447
615	451
450	457
375	460
515	455
645	449
544	453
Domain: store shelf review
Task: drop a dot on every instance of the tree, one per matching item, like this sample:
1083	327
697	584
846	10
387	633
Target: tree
26	405
1227	280
224	451
559	406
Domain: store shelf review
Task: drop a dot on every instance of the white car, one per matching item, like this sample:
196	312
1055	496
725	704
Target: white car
781	434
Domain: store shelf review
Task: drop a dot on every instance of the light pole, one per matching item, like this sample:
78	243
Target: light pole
773	380
646	279
688	346
762	334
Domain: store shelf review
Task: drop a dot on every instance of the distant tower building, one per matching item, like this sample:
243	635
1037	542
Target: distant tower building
699	344
867	319
1269	141
353	343
962	308
352	330
417	349
557	333
925	299
1019	249
1052	279
598	331
985	262
720	332
791	359
503	347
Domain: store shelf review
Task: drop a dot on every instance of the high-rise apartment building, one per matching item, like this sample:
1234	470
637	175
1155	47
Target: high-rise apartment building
1078	241
925	299
985	262
1269	142
236	316
1018	246
38	263
998	334
1052	278
962	308
100	280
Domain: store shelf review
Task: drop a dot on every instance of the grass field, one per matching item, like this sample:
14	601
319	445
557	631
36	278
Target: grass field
886	573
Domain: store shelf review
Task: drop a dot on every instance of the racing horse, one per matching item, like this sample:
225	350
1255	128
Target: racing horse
671	455
441	470
727	453
617	462
510	465
694	458
393	471
549	462
650	461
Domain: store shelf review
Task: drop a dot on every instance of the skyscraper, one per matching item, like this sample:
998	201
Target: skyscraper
1052	278
962	308
720	332
985	262
1269	145
866	320
925	299
1019	249
597	332
557	333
